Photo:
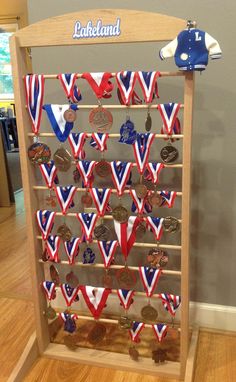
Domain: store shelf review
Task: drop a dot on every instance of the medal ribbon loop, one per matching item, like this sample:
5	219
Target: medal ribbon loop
65	197
60	126
169	197
69	294
149	277
126	234
49	172
100	199
99	141
95	299
49	288
87	222
52	246
170	302
71	249
34	88
100	83
68	83
107	249
136	330
148	83
77	141
160	331
126	297
125	82
154	170
155	225
120	174
86	168
139	202
45	220
169	112
141	148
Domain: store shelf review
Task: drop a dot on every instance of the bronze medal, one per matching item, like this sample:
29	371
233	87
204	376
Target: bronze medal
134	354
72	280
76	176
155	199
71	341
64	232
51	201
169	154
86	200
148	122
54	275
100	119
45	257
102	232
125	322
103	168
120	214
126	278
164	260
107	281
159	355
70	115
141	230
50	313
171	224
149	313
39	153
97	334
62	159
141	190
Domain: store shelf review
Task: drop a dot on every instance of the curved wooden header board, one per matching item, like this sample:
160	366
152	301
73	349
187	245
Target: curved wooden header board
101	26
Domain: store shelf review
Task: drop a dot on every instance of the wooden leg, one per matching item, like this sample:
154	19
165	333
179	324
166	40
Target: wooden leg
190	365
26	360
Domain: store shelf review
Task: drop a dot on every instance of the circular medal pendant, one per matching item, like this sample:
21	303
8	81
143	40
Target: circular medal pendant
76	175
50	313
169	154
126	278
70	115
141	190
100	119
101	232
86	200
97	334
72	280
54	274
171	224
45	257
134	354
120	214
149	313
71	342
103	169
164	260
159	355
62	159
64	232
157	258
107	281
39	153
141	230
125	322
155	199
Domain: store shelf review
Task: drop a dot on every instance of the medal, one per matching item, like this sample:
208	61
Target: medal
54	275
107	250
149	278
169	154
65	197
69	321
69	293
159	355
103	168
88	256
170	302
155	199
127	133
171	224
102	232
125	322
72	280
62	159
160	331
52	245
126	278
49	173
88	222
142	149
99	141
68	83
168	112
45	220
45	256
148	122
100	199
95	299
100	119
97	334
120	174
120	214
69	115
107	279
34	88
126	233
141	190
149	313
134	354
86	199
155	225
70	342
86	168
169	197
157	258
148	83
125	83
100	83
72	249
56	115
77	141
50	313
76	176
141	230
39	153
64	232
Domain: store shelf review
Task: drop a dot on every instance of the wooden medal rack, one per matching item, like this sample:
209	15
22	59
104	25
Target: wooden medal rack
136	27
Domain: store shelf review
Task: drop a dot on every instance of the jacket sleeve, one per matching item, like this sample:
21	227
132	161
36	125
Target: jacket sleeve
213	47
169	49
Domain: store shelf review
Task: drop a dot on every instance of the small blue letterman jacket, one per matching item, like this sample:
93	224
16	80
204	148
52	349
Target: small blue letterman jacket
191	49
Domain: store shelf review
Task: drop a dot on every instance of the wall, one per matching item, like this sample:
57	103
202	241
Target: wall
213	182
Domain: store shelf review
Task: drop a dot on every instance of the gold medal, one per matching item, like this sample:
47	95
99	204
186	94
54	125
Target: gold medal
62	159
64	232
120	214
149	313
171	224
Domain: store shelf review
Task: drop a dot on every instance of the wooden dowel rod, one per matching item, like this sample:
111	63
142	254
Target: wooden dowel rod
79	189
115	266
117	106
136	244
111	135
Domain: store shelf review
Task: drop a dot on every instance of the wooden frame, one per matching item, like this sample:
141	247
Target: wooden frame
136	26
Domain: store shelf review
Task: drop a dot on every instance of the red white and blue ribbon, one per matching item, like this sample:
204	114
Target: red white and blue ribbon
69	293
169	197
148	83
49	288
126	297
34	88
49	173
141	148
95	299
85	168
52	246
45	220
170	302
100	199
169	112
77	141
99	141
136	330
100	83
139	202
71	249
149	277
120	174
155	225
125	82
68	83
87	222
126	233
160	331
154	170
56	118
147	208
65	197
64	316
175	130
107	249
